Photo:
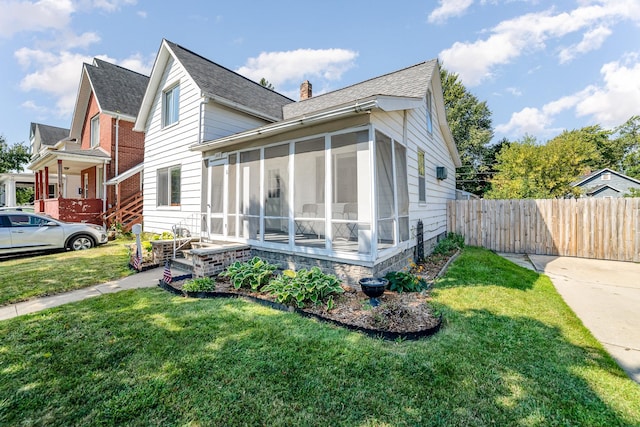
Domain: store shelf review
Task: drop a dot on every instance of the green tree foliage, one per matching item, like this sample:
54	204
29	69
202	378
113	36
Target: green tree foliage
14	158
470	123
264	82
628	142
25	196
527	170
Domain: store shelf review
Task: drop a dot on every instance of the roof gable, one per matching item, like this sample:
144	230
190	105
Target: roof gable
117	90
587	179
410	82
217	81
48	135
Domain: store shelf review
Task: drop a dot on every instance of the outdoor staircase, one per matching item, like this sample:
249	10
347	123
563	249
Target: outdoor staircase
125	214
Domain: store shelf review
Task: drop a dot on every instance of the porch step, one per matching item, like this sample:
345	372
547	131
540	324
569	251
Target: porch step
182	264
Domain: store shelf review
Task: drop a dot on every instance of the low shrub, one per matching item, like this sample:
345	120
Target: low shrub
304	286
452	242
199	284
252	274
401	281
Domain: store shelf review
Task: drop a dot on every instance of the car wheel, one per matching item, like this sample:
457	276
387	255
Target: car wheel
79	243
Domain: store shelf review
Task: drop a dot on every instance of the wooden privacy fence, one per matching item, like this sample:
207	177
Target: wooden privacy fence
585	228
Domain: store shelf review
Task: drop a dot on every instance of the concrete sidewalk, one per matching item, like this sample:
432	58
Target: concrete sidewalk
144	279
605	295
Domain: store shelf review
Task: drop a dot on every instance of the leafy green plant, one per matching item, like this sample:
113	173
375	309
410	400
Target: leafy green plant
199	284
401	281
452	242
252	274
304	286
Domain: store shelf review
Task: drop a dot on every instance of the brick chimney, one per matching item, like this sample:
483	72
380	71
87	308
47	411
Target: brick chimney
305	90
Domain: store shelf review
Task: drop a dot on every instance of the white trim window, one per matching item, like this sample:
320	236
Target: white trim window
170	106
95	131
168	181
606	176
429	112
422	190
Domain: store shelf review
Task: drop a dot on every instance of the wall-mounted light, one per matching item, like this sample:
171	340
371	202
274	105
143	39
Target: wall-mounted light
441	172
66	168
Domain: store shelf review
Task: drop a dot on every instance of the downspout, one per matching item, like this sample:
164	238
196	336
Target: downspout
117	171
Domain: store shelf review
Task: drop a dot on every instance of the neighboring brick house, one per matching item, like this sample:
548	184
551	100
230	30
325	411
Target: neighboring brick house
101	150
606	183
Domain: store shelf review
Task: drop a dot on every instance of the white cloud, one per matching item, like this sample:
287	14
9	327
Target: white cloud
111	5
619	98
476	61
514	91
18	16
142	14
448	9
58	74
591	40
296	65
609	104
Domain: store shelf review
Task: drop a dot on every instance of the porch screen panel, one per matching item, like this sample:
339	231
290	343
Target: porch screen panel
217	197
232	199
402	190
345	222
250	194
308	193
385	191
276	187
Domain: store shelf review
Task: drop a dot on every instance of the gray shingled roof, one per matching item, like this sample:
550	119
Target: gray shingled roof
118	90
409	82
49	135
215	80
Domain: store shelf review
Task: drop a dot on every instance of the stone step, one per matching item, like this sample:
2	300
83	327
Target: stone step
182	264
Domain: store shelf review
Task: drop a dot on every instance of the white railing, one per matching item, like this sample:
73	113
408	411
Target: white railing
188	229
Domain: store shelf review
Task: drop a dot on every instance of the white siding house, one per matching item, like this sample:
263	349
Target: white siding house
340	180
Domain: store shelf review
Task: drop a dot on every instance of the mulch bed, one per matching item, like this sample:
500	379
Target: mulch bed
406	315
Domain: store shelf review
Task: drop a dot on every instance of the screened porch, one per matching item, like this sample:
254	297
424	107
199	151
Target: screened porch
342	195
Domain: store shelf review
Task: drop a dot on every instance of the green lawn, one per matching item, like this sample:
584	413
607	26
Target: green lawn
510	353
40	275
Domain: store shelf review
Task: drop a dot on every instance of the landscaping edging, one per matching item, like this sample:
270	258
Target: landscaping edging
375	333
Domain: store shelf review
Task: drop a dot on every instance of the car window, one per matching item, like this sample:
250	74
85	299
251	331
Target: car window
4	221
18	220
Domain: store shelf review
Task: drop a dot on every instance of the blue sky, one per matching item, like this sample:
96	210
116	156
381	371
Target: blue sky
542	66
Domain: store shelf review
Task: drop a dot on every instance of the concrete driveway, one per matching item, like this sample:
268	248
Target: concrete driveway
605	295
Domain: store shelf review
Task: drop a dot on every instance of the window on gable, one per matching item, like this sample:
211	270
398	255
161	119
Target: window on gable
168	186
95	131
422	192
429	113
170	106
606	176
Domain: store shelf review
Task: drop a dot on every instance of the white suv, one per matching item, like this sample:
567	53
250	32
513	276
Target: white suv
24	232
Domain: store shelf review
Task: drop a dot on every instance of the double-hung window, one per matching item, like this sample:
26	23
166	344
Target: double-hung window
95	131
169	186
422	192
170	106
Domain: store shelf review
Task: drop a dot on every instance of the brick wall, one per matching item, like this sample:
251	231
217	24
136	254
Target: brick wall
207	262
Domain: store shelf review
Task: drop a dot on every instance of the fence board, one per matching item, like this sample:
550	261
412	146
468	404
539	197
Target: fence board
586	228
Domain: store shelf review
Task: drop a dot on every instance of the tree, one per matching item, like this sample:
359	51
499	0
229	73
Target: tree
264	82
628	141
528	170
12	159
470	123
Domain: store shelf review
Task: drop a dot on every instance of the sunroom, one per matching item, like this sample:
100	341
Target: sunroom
339	195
